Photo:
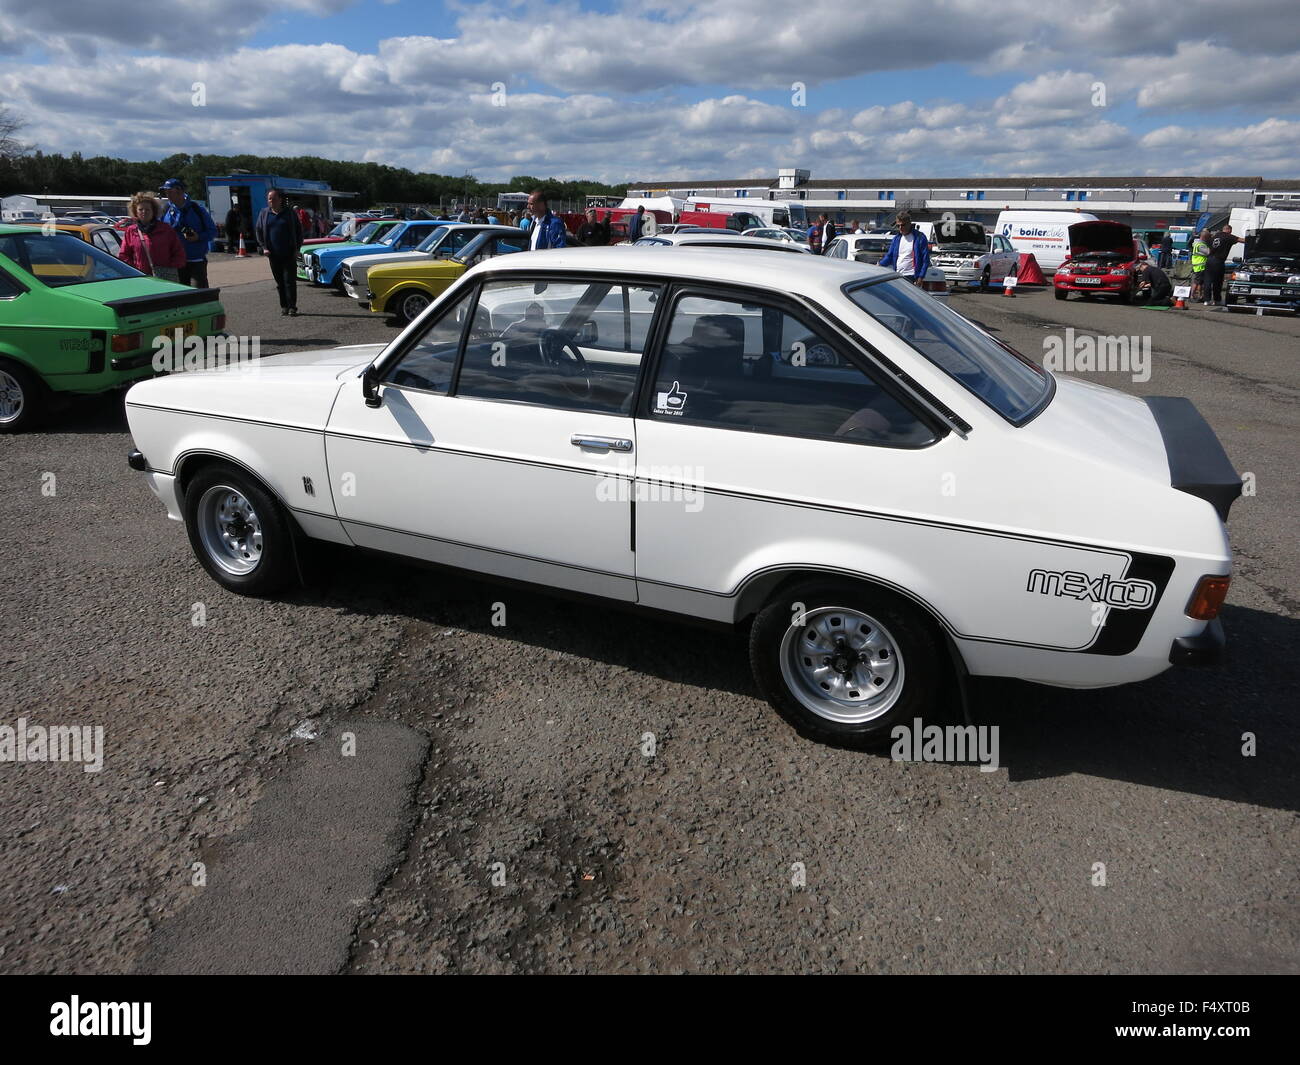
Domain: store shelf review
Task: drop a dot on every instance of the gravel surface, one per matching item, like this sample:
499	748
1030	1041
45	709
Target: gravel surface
501	815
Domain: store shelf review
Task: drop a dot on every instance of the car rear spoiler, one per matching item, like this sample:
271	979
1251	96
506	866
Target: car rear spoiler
1198	465
162	301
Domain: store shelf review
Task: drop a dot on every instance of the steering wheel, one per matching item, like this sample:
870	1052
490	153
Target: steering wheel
563	355
819	353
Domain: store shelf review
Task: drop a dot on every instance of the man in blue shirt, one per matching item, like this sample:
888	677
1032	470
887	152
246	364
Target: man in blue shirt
279	232
194	226
909	251
546	230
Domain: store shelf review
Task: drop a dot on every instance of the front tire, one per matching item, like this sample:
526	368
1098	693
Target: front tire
1061	293
410	304
238	531
845	663
22	399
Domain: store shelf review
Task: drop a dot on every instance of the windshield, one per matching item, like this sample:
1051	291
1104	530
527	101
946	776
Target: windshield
431	241
367	233
1004	379
388	238
61	259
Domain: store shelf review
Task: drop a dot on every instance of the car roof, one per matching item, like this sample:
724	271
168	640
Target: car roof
687	240
810	274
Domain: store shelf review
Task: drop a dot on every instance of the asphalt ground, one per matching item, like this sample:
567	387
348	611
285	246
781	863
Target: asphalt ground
368	775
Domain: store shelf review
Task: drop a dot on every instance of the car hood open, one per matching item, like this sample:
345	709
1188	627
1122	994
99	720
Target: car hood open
1283	242
1088	237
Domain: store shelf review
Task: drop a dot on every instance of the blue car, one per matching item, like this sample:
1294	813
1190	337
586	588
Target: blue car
319	263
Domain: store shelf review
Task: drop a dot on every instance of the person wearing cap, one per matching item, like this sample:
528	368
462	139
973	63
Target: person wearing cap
195	226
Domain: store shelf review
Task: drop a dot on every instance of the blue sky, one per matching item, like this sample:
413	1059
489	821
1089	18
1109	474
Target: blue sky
668	88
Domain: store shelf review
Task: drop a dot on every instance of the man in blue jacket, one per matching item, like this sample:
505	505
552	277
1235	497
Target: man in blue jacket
546	230
909	251
194	226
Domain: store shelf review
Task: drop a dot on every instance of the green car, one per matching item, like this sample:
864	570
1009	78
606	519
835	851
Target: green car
74	319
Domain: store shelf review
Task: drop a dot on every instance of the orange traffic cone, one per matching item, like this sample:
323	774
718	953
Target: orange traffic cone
243	254
1180	304
1009	286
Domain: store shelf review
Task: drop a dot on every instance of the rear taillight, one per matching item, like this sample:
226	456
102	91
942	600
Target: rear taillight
218	323
127	341
1208	597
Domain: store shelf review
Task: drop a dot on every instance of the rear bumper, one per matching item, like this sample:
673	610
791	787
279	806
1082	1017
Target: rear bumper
1210	648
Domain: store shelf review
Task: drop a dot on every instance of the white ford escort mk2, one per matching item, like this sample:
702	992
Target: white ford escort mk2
882	492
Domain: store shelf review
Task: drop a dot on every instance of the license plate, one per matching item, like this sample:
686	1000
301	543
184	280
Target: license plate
1087	281
1264	292
188	329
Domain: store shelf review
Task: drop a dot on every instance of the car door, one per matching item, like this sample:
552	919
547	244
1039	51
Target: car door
1005	258
753	417
503	439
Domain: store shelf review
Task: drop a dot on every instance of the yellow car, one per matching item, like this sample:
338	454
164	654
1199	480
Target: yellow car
405	289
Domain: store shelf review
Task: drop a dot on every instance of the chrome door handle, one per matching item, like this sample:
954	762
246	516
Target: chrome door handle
604	443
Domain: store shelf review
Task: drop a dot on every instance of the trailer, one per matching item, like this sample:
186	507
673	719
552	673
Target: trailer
247	193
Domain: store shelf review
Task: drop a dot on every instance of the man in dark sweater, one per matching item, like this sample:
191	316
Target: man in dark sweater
234	223
279	235
1220	244
1154	286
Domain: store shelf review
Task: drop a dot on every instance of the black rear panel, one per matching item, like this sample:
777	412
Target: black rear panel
162	301
1198	465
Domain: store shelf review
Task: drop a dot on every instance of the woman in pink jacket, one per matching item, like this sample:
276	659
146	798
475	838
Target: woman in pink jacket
150	244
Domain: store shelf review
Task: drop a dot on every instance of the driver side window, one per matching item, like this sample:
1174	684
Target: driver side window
758	368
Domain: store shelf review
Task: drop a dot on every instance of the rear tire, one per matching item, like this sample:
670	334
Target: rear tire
985	278
238	531
22	398
844	663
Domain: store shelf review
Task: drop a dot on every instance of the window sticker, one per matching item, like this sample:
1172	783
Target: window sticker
672	402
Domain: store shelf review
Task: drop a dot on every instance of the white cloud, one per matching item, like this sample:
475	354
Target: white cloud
615	94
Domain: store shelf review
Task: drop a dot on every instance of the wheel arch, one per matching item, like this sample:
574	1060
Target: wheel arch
190	463
760	588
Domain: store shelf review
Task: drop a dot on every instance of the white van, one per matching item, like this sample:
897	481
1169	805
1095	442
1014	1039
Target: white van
768	212
1044	233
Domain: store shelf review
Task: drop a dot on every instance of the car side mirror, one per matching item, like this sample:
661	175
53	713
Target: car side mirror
370	387
1142	256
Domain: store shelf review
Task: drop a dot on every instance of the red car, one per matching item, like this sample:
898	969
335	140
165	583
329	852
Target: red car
1102	259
